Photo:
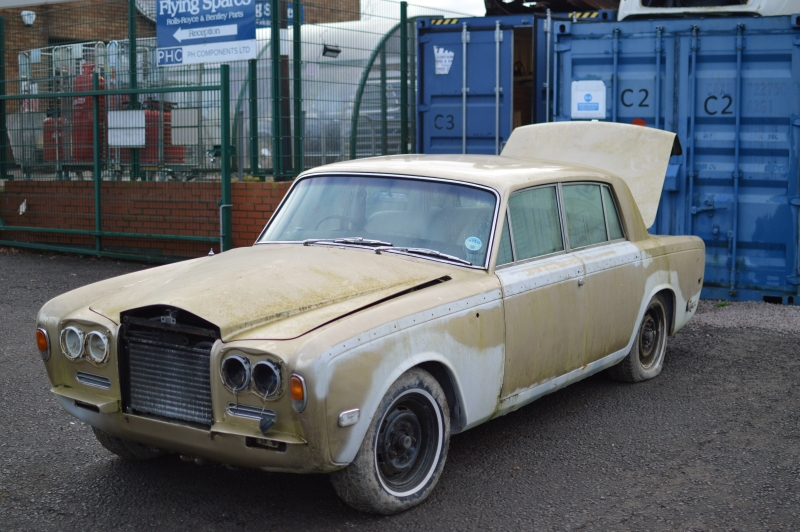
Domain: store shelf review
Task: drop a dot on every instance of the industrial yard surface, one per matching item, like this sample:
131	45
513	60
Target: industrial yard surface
713	443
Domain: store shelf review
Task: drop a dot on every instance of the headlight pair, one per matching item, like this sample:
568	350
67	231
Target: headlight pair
238	375
93	346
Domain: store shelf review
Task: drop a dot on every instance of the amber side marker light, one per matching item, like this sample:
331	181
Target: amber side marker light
43	343
297	389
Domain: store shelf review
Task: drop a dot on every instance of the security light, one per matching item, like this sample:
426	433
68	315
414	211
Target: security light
331	51
28	17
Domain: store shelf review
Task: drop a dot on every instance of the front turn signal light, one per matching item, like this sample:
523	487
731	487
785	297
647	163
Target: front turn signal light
297	389
43	343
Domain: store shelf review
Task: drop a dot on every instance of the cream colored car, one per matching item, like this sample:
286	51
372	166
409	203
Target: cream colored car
388	304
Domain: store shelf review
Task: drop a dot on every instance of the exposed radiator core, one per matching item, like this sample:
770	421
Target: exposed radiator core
167	370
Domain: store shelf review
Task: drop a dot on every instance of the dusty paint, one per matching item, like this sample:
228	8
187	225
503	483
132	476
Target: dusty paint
505	337
541	297
312	285
470	346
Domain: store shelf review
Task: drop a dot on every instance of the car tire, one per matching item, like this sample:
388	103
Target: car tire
413	417
127	449
646	357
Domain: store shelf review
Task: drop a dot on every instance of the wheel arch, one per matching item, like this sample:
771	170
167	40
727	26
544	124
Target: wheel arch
452	393
434	363
669	298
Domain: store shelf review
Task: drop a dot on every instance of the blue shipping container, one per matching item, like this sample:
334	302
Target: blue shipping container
730	88
477	79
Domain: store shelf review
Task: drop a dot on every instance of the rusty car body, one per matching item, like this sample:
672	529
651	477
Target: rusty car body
339	343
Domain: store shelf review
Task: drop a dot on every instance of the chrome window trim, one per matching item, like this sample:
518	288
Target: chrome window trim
605	213
492	230
563	220
605	219
616	208
511	227
511	238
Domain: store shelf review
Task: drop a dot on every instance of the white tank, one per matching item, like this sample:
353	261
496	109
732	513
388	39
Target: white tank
764	8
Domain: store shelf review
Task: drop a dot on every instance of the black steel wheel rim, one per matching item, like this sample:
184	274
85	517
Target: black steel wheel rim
651	336
407	442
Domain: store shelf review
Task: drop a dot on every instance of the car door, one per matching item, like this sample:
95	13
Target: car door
542	292
614	282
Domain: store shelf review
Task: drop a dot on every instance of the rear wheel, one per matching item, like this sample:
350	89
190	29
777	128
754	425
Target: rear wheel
404	450
126	449
647	353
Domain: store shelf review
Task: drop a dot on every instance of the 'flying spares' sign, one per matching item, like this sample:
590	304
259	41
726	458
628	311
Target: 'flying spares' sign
205	31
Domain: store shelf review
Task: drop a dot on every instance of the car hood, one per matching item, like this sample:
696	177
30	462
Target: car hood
275	291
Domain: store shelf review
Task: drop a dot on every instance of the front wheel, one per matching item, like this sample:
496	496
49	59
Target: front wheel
647	353
404	450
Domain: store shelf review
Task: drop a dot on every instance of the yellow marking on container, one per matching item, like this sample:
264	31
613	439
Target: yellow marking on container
584	14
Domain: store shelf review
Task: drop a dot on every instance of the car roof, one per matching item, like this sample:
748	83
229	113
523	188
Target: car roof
499	172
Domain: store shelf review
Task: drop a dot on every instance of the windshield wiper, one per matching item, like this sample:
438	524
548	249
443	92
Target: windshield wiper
354	240
423	251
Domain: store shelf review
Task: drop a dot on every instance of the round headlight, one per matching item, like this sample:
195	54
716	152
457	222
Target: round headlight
236	373
267	378
72	342
97	347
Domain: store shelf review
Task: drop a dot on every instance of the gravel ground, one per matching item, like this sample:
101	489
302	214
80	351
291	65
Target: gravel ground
713	443
747	315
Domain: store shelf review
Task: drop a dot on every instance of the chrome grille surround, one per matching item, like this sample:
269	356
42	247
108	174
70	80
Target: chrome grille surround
166	370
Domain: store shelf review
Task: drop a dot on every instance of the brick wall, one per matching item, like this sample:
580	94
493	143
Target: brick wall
137	207
253	204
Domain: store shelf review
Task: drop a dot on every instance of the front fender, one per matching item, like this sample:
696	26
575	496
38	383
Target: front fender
468	343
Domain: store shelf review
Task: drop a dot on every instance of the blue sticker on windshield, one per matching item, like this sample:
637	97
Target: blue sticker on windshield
473	243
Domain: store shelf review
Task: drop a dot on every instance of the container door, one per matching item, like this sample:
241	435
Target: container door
730	89
741	100
459	114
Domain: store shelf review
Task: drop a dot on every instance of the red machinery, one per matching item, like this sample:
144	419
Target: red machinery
83	118
54	141
153	140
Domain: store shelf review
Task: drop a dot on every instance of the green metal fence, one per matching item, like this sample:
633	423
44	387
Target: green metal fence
103	152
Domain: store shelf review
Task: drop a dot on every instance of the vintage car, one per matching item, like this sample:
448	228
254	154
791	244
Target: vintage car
388	304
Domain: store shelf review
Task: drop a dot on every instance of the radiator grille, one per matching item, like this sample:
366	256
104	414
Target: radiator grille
168	374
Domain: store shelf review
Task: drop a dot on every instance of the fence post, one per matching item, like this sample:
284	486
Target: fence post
384	105
297	54
226	217
97	153
403	77
277	119
3	130
253	93
133	76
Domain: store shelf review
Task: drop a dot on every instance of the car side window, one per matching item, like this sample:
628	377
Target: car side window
504	253
612	216
583	208
535	223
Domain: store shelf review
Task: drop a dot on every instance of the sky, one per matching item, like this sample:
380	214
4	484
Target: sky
471	7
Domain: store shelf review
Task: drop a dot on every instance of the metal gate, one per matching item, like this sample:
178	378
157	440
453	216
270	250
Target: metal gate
113	164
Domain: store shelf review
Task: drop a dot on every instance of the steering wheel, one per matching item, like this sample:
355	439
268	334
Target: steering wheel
351	221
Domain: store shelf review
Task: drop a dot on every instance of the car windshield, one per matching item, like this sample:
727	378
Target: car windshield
417	215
